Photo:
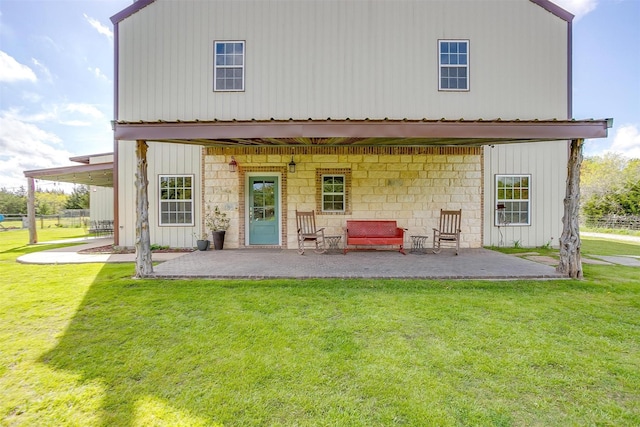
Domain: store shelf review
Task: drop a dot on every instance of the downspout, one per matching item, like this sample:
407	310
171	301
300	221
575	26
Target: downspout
116	66
570	70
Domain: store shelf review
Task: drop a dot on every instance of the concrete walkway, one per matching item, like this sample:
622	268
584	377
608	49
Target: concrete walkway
282	263
74	255
620	237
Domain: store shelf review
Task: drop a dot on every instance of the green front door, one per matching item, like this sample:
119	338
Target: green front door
264	214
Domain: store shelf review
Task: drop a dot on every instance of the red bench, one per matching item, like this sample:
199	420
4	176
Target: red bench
373	232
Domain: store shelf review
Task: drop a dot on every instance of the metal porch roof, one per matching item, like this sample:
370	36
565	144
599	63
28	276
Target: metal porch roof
362	132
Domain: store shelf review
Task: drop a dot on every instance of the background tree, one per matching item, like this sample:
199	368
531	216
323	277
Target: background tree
79	198
610	186
50	202
13	203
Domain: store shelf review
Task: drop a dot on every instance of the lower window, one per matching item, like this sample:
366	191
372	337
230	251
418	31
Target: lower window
176	199
513	203
333	191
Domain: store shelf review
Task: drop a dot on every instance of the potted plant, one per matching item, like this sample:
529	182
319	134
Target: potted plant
218	222
202	241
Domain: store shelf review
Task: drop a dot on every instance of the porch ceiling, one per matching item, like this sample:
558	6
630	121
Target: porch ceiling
332	132
100	174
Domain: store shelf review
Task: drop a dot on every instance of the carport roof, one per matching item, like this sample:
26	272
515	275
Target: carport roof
100	174
361	132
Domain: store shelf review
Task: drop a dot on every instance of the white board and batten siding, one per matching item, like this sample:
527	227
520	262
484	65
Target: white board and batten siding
101	198
353	59
546	163
101	203
162	159
356	59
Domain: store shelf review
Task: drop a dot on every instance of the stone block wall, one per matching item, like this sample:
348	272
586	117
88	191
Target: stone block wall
408	184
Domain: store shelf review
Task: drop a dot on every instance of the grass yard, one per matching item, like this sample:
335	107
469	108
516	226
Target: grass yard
87	345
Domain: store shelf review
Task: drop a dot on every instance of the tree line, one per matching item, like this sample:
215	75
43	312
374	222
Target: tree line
49	202
610	185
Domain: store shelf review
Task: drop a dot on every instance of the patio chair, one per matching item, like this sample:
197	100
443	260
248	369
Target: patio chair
308	233
448	232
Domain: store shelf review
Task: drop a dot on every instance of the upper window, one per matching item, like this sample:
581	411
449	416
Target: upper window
228	74
513	203
176	200
453	60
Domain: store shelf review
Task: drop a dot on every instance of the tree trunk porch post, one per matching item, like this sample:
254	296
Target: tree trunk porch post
570	259
144	266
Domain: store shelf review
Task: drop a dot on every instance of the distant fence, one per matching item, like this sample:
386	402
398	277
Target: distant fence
624	222
69	218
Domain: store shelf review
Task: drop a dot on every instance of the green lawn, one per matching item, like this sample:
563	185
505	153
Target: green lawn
88	345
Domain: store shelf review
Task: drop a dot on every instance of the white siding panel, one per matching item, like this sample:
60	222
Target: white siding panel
162	159
357	59
100	203
547	165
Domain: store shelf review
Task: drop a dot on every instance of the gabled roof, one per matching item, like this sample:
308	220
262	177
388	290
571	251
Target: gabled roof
139	4
130	10
555	9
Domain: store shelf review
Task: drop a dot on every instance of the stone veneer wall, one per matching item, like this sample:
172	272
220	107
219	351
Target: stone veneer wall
408	184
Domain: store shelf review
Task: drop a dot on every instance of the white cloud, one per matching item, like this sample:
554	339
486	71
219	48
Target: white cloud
43	69
73	114
627	141
577	7
16	114
32	97
101	29
24	146
12	71
84	109
75	123
98	73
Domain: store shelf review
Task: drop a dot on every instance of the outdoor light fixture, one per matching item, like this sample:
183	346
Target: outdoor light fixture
233	165
292	165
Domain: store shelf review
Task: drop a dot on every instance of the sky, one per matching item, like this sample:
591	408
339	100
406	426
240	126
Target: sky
56	79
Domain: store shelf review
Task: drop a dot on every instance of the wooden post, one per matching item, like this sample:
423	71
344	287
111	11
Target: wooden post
144	266
31	211
570	260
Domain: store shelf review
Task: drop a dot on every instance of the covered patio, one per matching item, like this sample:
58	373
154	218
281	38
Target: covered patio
332	132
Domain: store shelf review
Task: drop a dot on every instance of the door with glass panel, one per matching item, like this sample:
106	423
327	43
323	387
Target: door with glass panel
264	212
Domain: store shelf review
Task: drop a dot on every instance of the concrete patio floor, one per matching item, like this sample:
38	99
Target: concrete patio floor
284	263
277	263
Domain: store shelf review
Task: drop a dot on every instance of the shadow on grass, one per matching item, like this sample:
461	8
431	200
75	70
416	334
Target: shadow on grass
27	249
332	352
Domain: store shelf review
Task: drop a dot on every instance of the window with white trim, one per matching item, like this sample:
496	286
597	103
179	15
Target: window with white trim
513	202
228	72
176	199
453	65
333	193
